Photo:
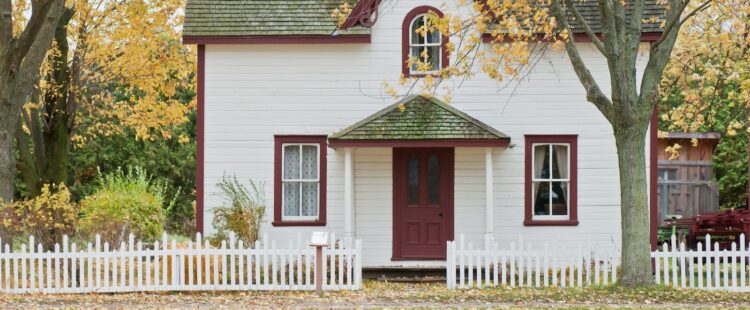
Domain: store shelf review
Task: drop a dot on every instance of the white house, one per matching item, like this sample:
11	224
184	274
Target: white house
287	97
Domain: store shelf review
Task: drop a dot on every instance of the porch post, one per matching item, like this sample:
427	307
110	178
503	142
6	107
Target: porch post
489	211
348	195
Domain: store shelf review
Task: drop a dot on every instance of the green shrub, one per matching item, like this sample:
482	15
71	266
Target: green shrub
241	212
125	203
47	217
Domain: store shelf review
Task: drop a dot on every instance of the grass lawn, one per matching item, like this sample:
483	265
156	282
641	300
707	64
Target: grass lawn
395	295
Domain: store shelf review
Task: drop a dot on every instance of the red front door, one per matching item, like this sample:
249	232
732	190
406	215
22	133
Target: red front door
422	202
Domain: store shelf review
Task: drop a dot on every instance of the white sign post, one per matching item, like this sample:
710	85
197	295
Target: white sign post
319	240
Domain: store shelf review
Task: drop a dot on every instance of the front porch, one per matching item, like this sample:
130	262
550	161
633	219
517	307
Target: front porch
413	174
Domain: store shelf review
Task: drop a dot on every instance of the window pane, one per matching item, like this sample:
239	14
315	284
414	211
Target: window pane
291	199
309	162
291	162
433	180
416	38
309	199
433	54
415	54
413	180
559	198
541	161
541	198
560	162
433	36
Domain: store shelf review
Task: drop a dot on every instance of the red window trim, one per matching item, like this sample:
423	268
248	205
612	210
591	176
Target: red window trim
290	39
200	140
572	200
277	170
405	39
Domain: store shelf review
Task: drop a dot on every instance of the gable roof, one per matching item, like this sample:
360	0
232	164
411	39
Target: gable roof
418	117
261	17
242	18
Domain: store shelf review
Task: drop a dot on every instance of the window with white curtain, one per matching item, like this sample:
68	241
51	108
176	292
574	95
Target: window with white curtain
551	181
300	181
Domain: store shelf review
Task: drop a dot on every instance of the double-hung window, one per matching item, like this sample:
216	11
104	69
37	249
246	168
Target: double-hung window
300	180
551	179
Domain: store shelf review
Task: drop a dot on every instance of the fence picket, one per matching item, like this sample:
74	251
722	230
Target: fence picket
525	266
717	265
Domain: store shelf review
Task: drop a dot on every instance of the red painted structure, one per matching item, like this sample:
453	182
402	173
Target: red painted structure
422	223
319	39
365	13
724	227
200	137
653	178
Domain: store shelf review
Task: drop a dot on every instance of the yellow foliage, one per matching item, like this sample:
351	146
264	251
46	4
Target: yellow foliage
47	217
712	51
128	64
341	13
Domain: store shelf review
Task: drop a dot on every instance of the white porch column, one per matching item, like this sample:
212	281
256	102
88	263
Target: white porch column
489	210
349	234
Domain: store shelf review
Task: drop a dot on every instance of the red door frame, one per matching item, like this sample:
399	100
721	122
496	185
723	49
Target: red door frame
400	192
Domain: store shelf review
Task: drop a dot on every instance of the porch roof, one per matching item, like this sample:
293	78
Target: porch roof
419	121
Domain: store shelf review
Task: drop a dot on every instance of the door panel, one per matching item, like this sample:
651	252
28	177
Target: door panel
422	202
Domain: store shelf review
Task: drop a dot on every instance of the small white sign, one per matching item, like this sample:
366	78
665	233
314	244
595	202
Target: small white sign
319	238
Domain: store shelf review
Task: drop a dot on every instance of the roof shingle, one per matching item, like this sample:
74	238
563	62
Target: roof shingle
228	18
419	118
259	17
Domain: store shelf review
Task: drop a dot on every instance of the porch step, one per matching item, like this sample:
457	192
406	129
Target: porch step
405	274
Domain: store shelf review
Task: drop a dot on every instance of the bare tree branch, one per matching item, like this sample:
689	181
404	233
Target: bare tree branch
42	13
28	73
586	27
594	94
675	19
6	24
635	25
609	29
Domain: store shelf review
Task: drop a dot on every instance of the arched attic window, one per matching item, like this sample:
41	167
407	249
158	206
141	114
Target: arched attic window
429	48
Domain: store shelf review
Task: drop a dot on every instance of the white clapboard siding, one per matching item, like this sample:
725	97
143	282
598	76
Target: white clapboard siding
527	265
172	266
705	267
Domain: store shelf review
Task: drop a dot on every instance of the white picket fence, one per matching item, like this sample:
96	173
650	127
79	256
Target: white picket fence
706	267
523	265
190	266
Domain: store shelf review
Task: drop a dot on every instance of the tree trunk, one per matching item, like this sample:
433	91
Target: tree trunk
8	119
20	60
636	248
50	130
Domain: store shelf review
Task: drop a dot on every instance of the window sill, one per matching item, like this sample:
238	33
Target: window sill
550	223
297	223
435	74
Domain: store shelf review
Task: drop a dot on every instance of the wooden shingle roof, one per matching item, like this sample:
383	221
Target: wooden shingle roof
234	18
419	118
653	15
260	17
